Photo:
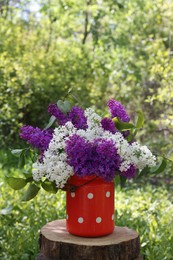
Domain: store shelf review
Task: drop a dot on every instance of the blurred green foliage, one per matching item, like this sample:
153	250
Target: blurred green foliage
99	49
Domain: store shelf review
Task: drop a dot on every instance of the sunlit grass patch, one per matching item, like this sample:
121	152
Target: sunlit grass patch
149	211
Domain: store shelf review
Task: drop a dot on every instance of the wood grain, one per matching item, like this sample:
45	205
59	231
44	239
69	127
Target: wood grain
57	243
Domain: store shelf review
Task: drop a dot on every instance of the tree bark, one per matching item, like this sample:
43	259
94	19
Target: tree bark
57	243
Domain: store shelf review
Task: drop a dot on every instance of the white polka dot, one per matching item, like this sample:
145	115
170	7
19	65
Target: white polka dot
67	216
73	194
112	216
108	194
80	220
98	220
90	196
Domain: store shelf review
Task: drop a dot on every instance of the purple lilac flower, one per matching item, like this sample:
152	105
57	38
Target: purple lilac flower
130	173
77	117
87	158
108	160
125	133
55	111
77	149
108	125
36	137
118	110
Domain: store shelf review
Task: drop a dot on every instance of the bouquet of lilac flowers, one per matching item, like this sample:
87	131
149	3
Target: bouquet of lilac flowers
84	144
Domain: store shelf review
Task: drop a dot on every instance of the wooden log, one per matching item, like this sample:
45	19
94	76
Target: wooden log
57	243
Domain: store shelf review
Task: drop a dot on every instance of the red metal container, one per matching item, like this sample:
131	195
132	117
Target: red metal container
90	208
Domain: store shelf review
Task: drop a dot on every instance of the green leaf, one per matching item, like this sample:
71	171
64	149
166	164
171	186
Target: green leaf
122	181
160	167
17	152
144	171
51	121
64	106
67	105
23	154
130	137
122	126
16	183
22	159
31	192
117	180
49	186
29	179
140	120
60	105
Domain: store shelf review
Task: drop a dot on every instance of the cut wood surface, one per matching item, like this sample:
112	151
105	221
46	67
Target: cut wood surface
57	243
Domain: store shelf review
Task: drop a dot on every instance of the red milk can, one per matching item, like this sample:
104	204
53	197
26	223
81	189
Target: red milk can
90	207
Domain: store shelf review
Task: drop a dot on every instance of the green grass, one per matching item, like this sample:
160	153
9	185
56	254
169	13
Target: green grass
145	208
149	211
21	222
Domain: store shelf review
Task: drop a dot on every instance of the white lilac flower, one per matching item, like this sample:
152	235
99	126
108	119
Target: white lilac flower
54	165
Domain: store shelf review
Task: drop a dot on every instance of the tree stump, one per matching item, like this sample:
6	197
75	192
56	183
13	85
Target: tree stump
57	243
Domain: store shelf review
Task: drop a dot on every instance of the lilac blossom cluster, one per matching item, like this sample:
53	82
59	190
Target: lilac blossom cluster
85	144
118	110
108	125
76	116
36	137
98	158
